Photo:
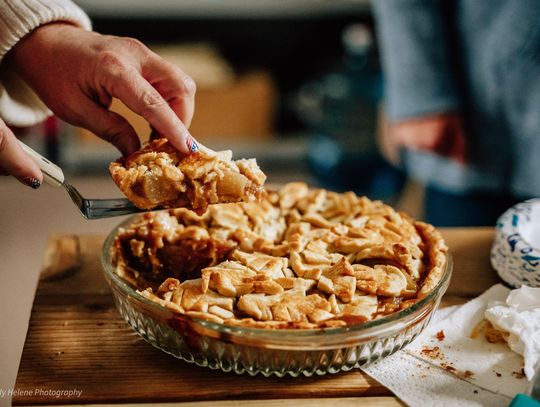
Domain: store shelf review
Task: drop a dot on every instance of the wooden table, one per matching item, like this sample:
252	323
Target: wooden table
77	340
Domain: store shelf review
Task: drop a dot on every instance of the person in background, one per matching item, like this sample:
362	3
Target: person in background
50	59
463	101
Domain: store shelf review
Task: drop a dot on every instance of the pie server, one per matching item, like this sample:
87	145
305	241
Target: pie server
89	208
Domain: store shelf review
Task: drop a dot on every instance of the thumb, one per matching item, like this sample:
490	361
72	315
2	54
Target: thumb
15	161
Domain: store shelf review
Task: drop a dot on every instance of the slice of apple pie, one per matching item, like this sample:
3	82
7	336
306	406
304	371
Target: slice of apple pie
159	176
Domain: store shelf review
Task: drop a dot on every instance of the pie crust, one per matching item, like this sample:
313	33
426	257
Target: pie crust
299	258
159	176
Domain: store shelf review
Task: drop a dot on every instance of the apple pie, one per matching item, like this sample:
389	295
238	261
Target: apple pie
159	176
299	258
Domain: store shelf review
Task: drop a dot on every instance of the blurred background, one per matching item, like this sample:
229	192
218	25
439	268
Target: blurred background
295	83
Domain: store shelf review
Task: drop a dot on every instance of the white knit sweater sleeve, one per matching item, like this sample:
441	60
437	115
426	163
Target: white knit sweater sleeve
19	105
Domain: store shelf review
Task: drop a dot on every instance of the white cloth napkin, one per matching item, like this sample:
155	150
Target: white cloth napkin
457	370
519	315
492	366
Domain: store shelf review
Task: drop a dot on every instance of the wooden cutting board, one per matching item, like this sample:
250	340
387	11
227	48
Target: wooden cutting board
77	340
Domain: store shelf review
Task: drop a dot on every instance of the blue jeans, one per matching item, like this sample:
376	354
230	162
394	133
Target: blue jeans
471	209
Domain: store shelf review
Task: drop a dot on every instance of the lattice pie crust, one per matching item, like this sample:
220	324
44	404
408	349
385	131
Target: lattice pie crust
300	258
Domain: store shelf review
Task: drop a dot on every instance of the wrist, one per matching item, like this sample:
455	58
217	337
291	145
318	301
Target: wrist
30	46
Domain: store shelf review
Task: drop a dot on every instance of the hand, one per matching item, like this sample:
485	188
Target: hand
441	134
77	73
14	161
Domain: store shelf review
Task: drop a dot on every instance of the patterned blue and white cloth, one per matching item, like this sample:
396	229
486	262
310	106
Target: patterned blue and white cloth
516	250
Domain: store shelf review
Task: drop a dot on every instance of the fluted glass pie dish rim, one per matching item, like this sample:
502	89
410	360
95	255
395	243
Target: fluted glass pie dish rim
159	326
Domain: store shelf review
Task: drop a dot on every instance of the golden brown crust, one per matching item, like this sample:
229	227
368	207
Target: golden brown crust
437	254
300	258
158	176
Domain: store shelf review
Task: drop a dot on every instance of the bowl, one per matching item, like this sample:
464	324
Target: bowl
515	253
293	352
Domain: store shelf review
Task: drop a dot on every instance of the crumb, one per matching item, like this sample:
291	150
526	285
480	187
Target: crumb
519	375
491	334
448	367
475	392
431	352
498	374
467	374
100	323
479	328
440	335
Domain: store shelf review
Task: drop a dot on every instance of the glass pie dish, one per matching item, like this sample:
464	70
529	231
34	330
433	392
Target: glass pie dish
256	350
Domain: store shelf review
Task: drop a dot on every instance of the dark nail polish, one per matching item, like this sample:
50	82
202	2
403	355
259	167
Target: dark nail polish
32	182
192	145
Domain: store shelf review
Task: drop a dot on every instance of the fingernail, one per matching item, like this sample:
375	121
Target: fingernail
192	144
32	182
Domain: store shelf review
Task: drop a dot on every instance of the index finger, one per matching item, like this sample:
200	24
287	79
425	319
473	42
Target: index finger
173	84
128	85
